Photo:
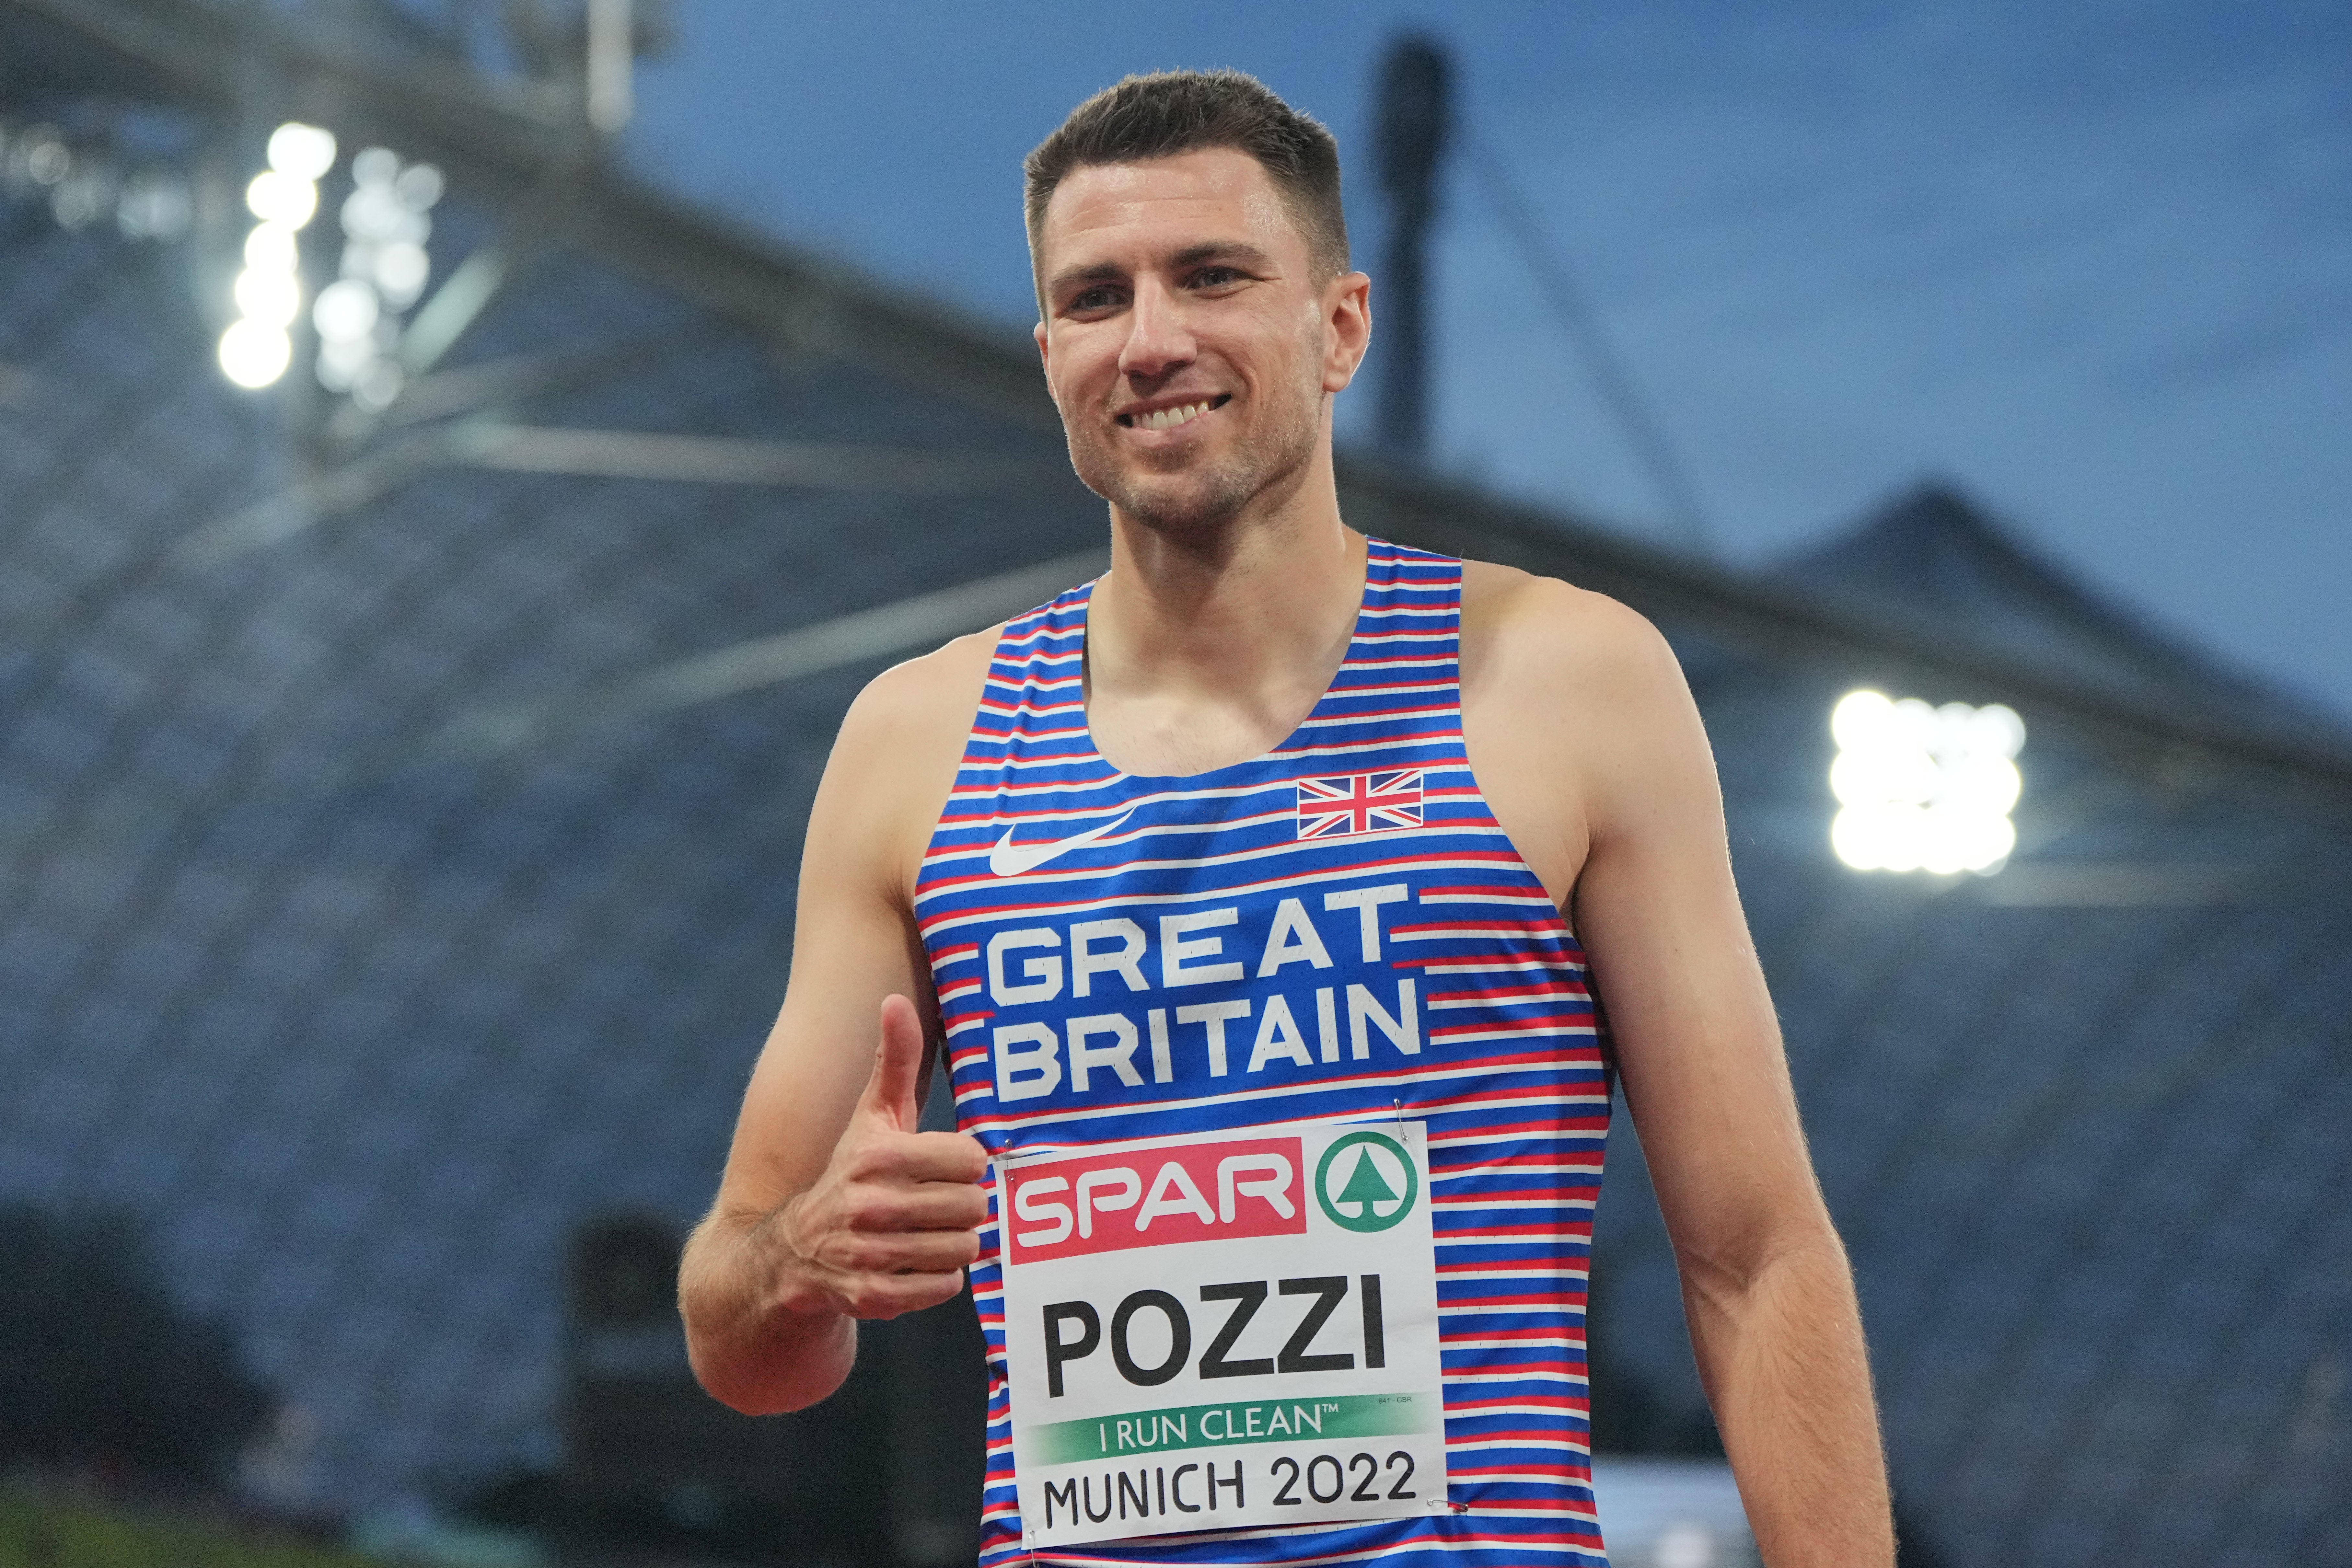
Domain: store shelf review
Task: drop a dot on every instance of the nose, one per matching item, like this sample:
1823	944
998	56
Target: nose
1158	338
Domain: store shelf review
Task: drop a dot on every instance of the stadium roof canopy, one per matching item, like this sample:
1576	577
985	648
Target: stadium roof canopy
402	810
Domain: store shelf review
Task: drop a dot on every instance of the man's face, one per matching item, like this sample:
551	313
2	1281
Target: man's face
1189	344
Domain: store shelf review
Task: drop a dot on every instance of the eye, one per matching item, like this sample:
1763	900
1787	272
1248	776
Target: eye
1215	277
1093	300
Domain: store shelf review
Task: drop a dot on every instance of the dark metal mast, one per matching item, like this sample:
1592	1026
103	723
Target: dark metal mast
1414	112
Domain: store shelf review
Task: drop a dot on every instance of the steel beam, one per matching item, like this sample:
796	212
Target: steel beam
732	460
908	626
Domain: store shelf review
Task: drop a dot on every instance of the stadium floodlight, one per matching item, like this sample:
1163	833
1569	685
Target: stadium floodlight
346	312
253	354
387	220
277	198
256	349
418	186
1922	788
272	298
400	271
272	247
301	151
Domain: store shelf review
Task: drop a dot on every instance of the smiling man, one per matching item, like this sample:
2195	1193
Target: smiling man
1258	894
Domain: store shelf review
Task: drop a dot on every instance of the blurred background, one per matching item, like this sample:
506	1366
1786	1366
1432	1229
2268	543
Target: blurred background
458	462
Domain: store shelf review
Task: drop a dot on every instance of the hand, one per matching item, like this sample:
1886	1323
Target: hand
890	1226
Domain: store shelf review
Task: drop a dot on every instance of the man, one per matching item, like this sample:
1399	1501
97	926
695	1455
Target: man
1136	855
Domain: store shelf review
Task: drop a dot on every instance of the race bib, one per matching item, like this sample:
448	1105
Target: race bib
1223	1330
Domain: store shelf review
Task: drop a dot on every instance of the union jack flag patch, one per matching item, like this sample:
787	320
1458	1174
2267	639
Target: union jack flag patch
1359	803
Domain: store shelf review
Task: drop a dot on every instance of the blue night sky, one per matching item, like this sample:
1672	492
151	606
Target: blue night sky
2091	262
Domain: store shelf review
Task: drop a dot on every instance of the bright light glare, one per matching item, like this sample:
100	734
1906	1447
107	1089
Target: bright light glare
342	360
376	212
383	271
256	349
346	311
276	197
271	247
272	298
304	152
1924	788
418	186
375	166
254	354
401	270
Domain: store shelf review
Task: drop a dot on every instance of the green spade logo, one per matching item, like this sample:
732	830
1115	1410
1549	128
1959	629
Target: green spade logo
1357	1180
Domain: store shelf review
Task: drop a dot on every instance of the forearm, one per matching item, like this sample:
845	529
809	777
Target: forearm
755	1345
1780	1352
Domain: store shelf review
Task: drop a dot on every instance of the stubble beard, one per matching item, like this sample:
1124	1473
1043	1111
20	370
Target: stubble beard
1206	494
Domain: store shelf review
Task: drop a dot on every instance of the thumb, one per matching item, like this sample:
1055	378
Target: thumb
898	1067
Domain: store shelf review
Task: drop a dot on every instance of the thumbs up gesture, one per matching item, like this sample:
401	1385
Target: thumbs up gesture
890	1225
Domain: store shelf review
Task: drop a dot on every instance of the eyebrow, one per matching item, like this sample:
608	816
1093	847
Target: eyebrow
1190	256
1221	250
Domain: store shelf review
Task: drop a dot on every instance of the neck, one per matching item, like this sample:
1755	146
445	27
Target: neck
1230	607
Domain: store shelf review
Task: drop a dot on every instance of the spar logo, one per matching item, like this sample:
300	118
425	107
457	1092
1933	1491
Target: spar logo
1365	1181
1158	1197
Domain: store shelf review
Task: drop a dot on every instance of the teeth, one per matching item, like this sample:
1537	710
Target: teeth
1167	418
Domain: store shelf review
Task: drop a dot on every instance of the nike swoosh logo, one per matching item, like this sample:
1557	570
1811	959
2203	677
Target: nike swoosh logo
1009	859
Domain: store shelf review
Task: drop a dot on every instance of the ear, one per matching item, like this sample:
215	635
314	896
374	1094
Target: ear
1045	360
1347	327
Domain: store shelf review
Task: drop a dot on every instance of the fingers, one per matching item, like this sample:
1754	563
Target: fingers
928	1206
891	1295
890	1094
919	1252
905	1157
855	1259
948	1156
898	1214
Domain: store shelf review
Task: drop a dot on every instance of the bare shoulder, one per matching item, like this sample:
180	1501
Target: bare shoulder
1518	628
896	757
925	702
1566	695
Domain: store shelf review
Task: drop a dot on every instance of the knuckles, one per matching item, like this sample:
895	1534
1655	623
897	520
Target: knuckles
880	1208
921	1156
960	1154
897	1220
893	1158
874	1159
865	1210
893	1295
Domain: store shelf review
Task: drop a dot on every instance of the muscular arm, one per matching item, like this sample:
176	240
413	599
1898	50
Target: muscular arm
833	1207
1603	775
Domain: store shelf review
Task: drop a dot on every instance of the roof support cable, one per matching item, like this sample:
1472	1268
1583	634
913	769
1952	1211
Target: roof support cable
1668	475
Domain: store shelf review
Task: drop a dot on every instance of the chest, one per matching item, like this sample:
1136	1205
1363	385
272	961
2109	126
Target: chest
1176	733
1289	943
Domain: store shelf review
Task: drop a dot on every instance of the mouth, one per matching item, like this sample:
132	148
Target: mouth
1169	418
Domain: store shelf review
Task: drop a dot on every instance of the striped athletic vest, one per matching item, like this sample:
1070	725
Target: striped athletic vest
1334	930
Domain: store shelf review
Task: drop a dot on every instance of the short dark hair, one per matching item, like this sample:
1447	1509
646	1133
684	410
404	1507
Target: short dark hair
1169	112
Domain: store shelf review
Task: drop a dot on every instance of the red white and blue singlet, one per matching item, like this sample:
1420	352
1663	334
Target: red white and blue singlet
1334	930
